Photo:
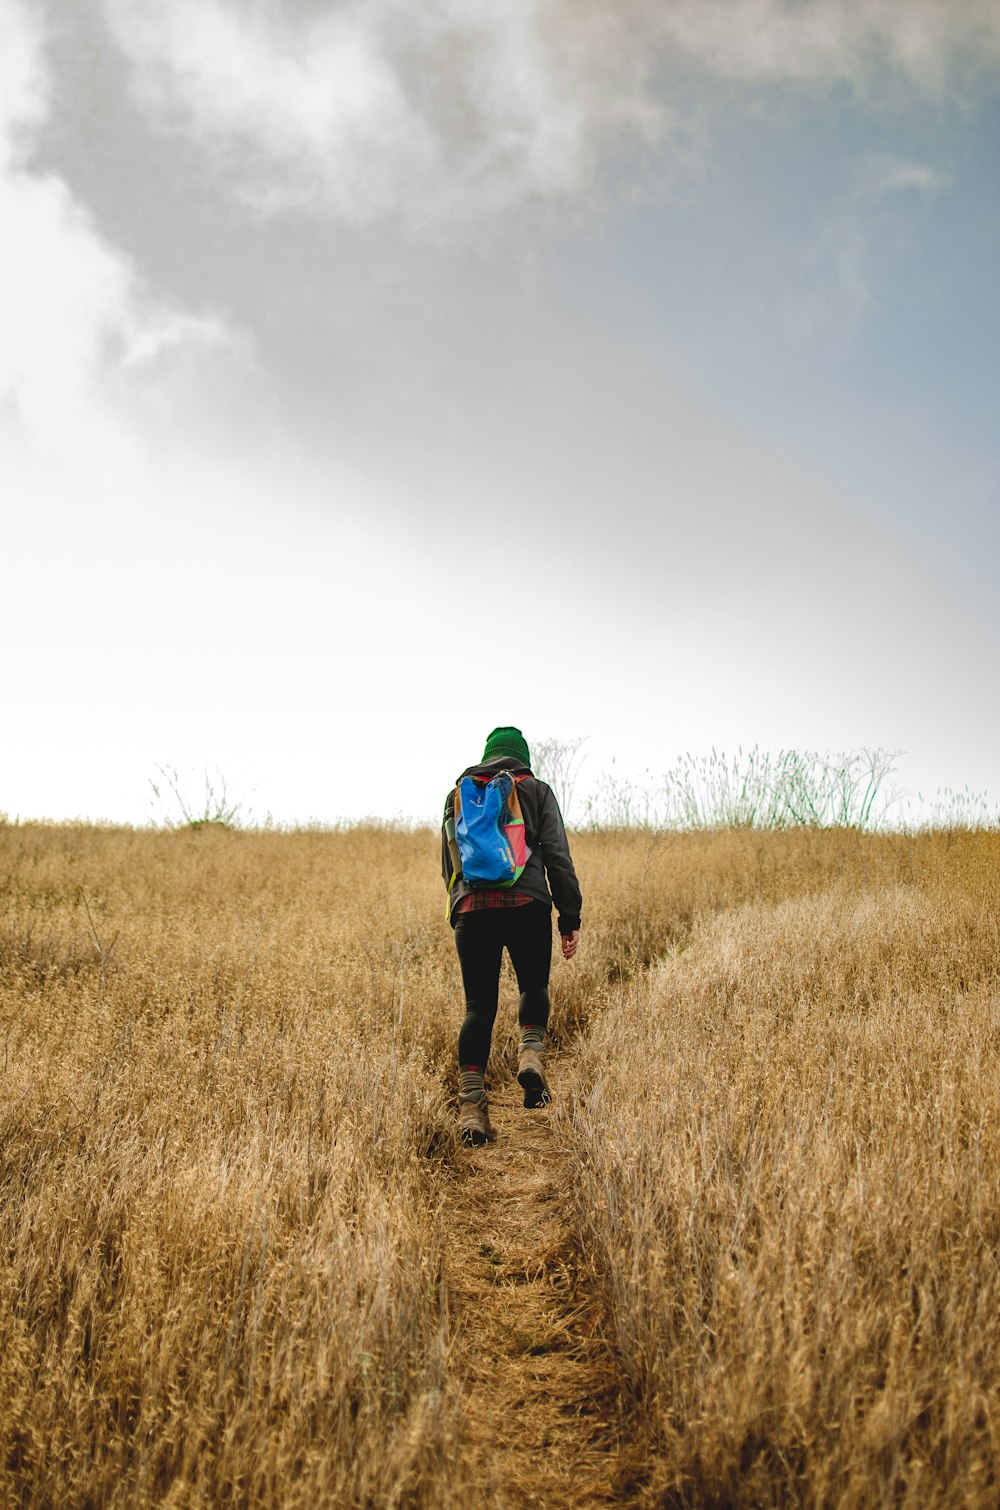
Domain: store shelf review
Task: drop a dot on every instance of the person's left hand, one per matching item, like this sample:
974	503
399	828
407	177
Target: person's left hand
569	942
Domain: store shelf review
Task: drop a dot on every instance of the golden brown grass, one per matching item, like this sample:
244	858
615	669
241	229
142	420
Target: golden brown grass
221	1278
226	1154
788	1138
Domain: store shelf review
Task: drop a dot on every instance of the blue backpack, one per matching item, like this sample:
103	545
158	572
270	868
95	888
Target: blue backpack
488	831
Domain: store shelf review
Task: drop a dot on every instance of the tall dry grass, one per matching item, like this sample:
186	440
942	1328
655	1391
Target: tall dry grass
225	1128
788	1138
222	1102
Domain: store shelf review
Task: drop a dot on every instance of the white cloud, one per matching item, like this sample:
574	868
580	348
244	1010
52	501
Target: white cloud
74	314
23	80
438	113
446	112
888	175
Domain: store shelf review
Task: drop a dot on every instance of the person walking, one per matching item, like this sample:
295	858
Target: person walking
517	918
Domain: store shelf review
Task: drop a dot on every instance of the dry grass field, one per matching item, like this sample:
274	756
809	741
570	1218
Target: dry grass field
749	1256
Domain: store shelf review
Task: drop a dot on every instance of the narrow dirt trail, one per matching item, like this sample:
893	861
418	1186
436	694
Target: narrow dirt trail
543	1413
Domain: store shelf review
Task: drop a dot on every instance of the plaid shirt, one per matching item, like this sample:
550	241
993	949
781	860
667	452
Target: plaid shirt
478	901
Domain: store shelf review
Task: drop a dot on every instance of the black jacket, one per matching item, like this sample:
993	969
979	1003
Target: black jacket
546	838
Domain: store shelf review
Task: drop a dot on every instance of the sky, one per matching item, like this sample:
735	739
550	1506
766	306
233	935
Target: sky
372	374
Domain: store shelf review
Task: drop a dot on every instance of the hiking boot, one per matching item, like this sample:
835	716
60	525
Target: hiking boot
474	1125
531	1077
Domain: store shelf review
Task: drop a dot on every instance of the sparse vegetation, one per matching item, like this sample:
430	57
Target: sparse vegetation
754	789
226	1142
560	762
183	798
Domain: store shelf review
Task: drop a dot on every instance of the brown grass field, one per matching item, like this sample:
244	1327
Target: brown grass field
748	1257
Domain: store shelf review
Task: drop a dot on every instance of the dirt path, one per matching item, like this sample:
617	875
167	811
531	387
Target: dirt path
543	1409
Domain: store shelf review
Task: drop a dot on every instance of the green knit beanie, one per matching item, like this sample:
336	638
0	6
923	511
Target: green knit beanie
507	741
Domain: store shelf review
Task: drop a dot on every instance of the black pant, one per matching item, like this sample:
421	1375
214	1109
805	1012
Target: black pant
481	937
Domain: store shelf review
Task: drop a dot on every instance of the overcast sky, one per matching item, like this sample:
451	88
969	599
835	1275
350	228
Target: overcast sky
374	373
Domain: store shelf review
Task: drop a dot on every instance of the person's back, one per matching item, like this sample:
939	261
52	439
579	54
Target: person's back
515	916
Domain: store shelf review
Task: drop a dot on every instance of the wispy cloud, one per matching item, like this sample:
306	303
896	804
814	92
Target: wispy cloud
837	294
889	175
826	41
435	113
444	113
